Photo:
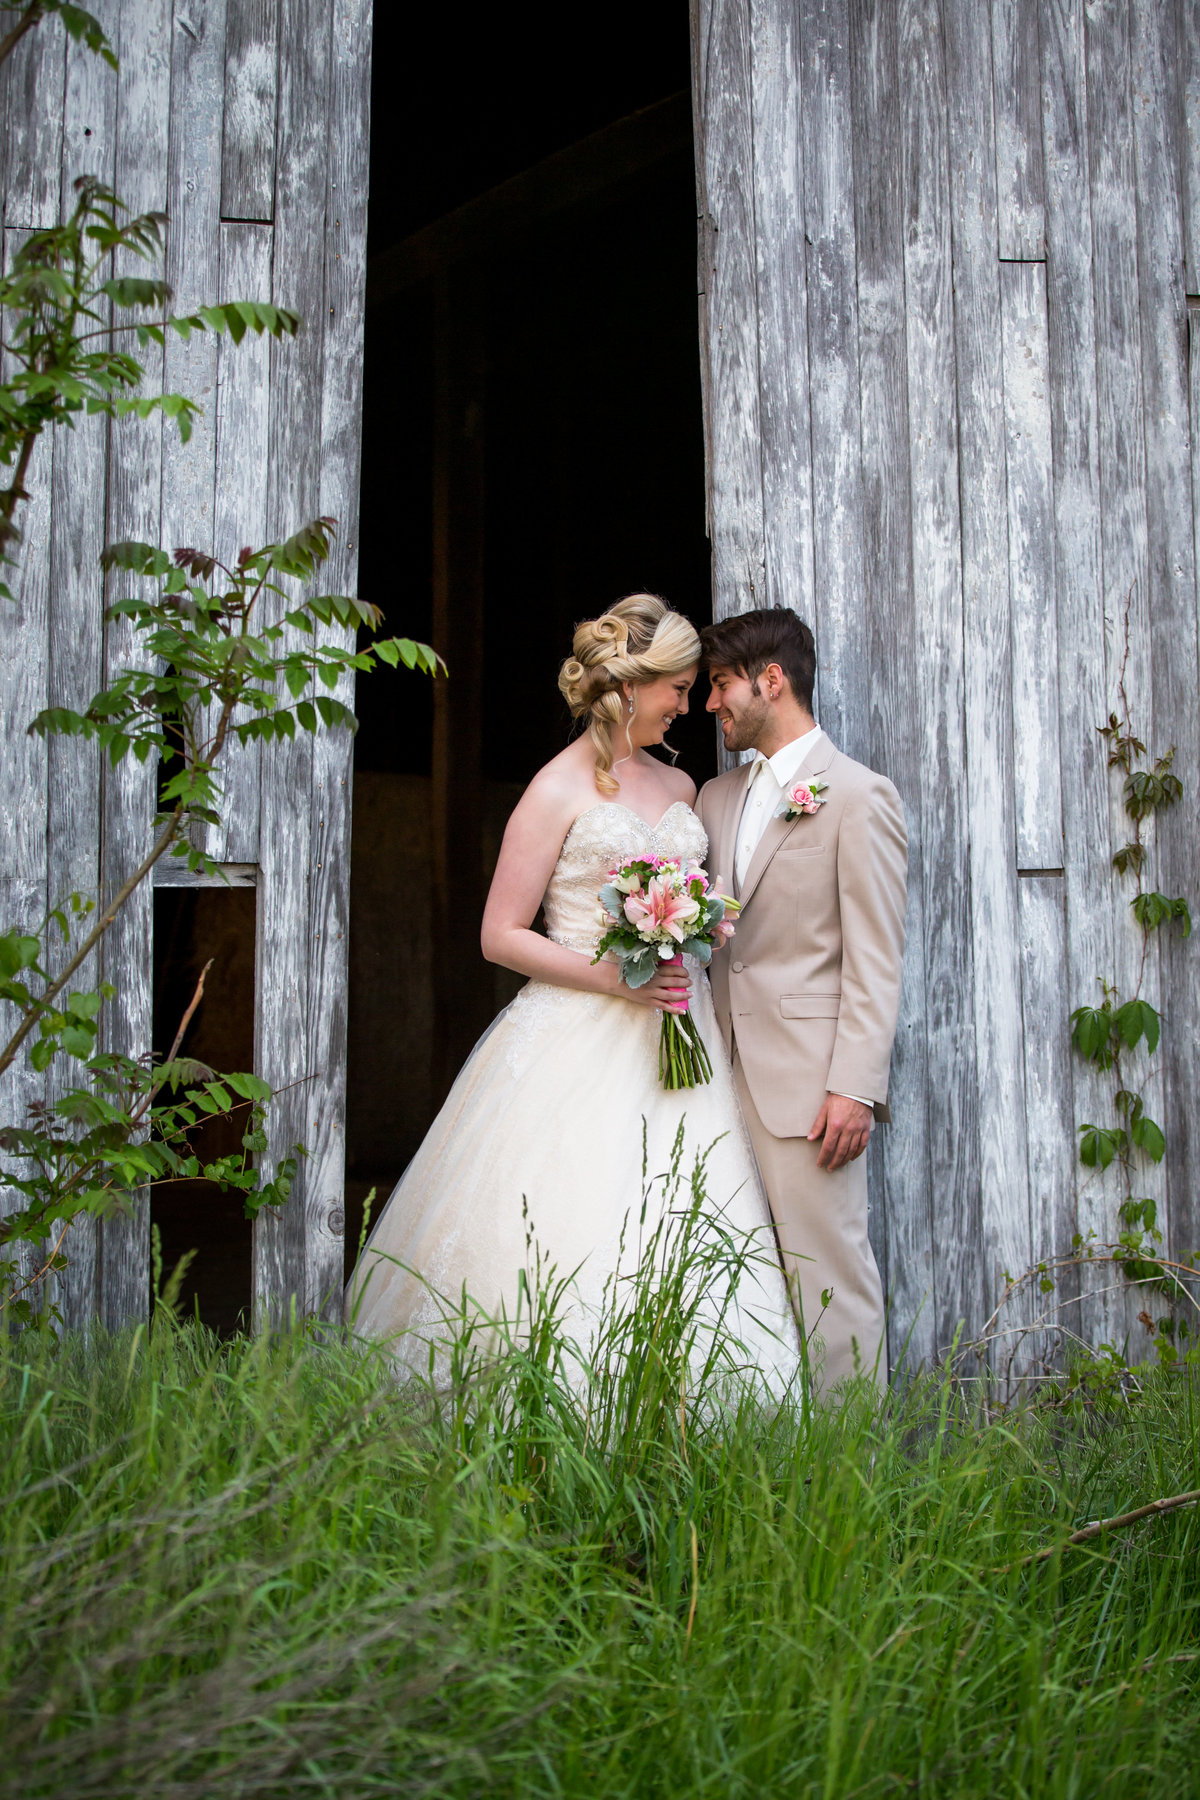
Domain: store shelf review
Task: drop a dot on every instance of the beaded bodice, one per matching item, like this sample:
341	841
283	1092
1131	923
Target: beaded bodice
600	838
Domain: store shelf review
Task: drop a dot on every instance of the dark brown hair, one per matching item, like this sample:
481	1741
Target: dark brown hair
747	642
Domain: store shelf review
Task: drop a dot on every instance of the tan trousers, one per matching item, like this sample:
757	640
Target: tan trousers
821	1223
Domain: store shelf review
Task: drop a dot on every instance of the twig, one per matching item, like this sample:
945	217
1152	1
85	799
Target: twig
33	1279
160	846
186	1020
1154	1510
11	39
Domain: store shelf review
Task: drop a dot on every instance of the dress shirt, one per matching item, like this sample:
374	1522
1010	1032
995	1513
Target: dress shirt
770	777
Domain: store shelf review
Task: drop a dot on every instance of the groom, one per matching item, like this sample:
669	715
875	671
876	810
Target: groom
808	993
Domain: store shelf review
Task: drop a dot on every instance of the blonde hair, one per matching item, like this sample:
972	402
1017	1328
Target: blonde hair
637	641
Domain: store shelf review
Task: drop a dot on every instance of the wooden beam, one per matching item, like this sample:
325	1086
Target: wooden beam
171	874
462	984
581	172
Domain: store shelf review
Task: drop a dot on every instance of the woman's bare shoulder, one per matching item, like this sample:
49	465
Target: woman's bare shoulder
560	789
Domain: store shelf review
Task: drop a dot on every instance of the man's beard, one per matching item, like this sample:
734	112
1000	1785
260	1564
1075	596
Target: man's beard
743	732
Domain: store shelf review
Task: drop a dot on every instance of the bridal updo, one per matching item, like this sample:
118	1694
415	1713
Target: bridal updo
637	641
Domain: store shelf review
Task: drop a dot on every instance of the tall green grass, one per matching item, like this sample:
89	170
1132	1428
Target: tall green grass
263	1568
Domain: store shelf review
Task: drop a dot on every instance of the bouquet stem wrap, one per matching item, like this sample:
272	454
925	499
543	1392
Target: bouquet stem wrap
683	1059
653	911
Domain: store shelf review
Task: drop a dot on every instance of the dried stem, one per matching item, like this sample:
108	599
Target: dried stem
1156	1509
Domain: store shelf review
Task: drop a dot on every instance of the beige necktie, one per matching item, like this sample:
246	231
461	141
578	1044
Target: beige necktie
754	817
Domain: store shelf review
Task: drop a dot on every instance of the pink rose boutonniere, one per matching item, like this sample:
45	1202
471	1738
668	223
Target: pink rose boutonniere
802	800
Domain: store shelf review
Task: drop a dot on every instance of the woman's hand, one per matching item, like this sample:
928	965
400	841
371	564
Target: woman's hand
666	991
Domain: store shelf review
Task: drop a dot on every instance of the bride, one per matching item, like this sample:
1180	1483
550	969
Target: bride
547	1132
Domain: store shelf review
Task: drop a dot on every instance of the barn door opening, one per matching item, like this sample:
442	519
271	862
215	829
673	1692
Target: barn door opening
532	450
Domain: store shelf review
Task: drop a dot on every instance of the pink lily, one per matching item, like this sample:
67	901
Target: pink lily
659	909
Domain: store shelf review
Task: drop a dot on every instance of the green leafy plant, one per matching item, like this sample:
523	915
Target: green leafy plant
1109	1034
221	655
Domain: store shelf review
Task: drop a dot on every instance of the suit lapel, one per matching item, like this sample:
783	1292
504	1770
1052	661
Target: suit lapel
779	830
734	798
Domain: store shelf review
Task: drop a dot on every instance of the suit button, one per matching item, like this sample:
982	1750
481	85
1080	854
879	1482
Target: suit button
738	967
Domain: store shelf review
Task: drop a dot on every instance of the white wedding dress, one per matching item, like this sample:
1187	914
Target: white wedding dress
546	1134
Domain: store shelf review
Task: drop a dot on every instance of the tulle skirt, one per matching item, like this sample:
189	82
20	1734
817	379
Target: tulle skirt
560	1162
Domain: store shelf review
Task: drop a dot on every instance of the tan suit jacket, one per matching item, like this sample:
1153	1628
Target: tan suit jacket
810	984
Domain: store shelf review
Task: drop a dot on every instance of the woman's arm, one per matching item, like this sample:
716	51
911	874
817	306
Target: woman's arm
532	841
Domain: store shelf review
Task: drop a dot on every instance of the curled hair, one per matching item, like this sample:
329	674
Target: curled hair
638	640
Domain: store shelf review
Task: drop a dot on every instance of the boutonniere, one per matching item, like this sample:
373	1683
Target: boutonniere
802	800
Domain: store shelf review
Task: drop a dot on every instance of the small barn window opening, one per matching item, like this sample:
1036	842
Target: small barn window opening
191	926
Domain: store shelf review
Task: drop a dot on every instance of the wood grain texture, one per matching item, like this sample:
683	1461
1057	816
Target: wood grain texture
729	282
1016	90
24	691
1189	72
76	638
248	147
1036	773
986	616
786	448
1049	1122
194	264
1172	579
1122	451
133	511
36	74
283	1055
828	152
1078	568
937	577
341	435
899	1178
243	415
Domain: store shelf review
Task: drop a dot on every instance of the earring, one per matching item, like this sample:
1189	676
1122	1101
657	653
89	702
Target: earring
631	706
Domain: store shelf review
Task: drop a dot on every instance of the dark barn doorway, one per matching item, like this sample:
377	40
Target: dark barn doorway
532	449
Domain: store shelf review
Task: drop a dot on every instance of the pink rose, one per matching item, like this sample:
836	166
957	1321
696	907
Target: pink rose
803	797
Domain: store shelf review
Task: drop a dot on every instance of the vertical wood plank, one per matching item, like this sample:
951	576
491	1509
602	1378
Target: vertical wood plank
1078	567
1030	505
828	156
729	285
1189	54
133	511
1016	87
76	640
24	691
36	79
995	926
341	432
1172	584
1122	459
937	576
294	492
459	982
194	264
248	152
240	505
1049	1125
903	1209
782	309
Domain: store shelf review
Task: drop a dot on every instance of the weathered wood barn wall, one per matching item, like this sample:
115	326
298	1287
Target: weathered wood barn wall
247	123
946	254
947	250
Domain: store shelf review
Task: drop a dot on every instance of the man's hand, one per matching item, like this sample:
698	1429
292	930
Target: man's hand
845	1125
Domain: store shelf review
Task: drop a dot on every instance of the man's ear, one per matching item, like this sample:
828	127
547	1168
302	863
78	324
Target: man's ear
774	682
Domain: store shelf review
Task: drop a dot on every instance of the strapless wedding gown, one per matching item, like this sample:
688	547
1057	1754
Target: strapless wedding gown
557	1129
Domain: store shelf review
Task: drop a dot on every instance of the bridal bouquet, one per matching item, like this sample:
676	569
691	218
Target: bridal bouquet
654	909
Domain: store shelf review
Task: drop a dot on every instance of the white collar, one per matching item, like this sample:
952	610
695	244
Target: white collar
786	762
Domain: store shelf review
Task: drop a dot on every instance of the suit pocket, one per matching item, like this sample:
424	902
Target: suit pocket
810	1006
800	850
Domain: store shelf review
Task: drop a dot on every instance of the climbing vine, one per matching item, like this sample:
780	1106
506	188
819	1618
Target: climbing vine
1107	1035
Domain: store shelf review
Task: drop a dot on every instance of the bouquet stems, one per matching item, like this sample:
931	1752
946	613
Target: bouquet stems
683	1060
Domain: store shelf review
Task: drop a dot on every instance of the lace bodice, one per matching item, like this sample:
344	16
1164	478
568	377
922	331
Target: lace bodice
600	838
